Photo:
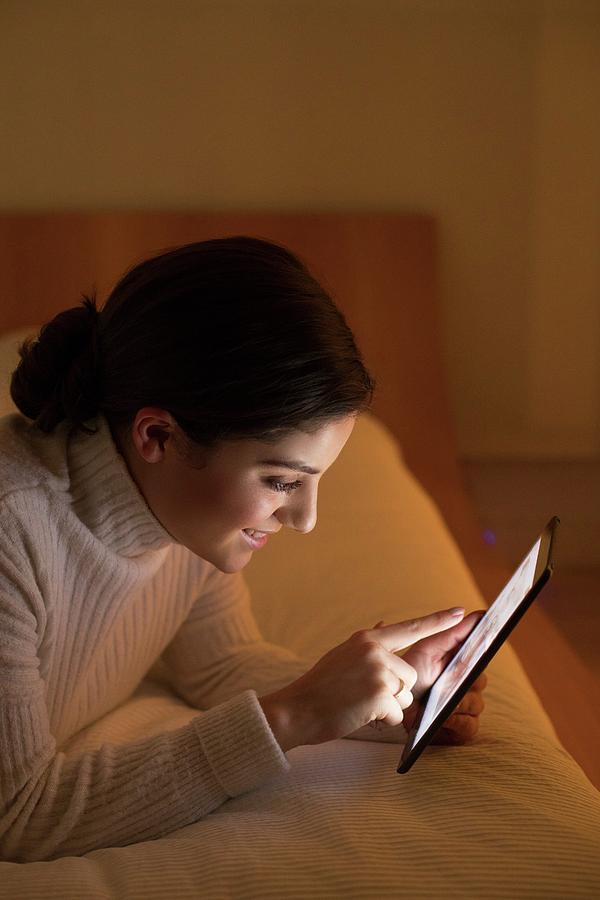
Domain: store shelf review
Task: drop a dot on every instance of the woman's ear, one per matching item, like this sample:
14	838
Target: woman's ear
160	435
151	430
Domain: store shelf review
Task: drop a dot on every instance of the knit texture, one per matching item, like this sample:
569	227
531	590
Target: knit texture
94	594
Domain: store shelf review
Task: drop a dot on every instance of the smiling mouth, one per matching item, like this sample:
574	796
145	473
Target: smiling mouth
256	539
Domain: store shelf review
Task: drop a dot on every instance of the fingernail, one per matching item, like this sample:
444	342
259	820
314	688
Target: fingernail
457	611
378	624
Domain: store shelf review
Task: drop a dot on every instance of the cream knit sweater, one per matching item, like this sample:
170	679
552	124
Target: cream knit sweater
93	591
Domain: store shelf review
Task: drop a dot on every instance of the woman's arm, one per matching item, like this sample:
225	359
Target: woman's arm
53	805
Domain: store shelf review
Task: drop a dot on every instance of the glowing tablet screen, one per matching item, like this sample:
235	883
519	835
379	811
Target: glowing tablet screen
479	640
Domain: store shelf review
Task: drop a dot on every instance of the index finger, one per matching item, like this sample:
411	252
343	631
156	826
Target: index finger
401	635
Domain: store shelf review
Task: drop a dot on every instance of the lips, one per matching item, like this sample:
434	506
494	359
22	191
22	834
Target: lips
256	538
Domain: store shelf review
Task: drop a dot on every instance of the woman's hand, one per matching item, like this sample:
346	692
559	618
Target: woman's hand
429	657
463	724
359	681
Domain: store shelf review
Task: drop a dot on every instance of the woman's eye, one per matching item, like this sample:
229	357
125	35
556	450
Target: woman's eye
286	486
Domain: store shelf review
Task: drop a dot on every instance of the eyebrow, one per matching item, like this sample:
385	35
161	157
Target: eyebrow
289	464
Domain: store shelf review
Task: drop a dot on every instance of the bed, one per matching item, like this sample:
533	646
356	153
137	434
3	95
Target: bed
514	814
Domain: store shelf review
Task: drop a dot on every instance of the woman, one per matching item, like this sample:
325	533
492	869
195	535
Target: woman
163	440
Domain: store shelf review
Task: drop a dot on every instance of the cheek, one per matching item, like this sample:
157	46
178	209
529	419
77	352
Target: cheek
238	506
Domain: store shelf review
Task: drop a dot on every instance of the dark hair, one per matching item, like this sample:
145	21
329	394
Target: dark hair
232	336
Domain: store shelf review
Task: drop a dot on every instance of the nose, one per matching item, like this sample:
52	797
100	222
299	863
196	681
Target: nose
300	512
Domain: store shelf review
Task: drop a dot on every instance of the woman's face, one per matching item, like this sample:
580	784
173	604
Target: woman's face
244	486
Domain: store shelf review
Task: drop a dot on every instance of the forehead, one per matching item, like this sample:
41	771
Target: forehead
316	448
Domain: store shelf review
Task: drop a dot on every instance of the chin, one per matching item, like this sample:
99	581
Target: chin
225	561
228	567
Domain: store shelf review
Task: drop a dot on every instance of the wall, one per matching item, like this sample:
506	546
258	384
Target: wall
484	113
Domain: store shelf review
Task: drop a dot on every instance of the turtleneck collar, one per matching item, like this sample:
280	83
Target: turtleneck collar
105	496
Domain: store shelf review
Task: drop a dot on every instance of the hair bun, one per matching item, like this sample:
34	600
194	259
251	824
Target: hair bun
58	375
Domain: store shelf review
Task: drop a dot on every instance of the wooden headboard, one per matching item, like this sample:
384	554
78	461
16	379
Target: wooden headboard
381	270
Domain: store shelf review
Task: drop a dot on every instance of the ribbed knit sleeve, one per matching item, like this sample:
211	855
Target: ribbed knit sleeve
219	650
53	805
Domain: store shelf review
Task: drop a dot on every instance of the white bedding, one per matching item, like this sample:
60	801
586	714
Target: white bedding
511	815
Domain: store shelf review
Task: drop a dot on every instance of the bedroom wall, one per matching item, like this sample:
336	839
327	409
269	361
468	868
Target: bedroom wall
484	113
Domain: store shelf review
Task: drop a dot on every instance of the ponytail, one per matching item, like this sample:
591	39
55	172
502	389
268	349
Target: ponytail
57	377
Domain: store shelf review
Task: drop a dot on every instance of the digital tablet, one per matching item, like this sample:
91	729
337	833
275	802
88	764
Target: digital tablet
482	643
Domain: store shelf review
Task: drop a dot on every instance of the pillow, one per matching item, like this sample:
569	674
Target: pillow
380	550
